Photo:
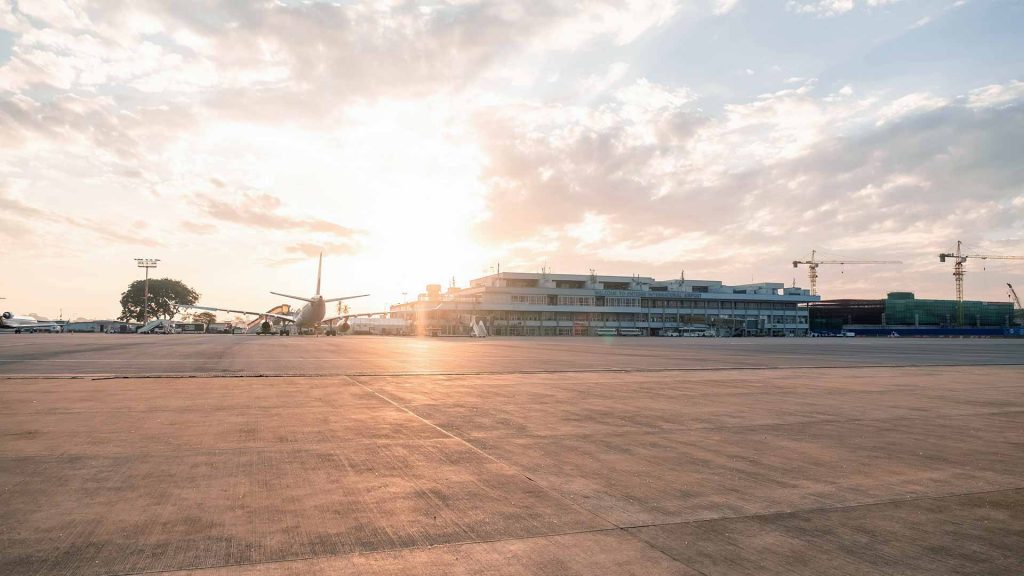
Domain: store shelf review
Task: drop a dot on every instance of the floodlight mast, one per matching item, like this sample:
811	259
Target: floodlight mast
146	263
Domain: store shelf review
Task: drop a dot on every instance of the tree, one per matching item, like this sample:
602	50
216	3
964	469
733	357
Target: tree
204	318
166	296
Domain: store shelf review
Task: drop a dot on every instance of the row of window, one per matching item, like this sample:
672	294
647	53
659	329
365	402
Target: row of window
631	302
575	300
515	315
622	302
584	331
456	316
535	299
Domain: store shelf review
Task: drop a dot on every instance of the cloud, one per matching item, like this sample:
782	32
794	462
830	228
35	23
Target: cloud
262	210
724	6
329	248
770	179
254	55
91	128
825	8
996	95
539	110
303	251
26	217
19	208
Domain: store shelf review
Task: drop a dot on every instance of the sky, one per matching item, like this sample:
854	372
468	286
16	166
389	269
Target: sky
420	142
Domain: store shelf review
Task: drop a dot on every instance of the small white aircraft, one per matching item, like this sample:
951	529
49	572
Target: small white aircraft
11	321
310	316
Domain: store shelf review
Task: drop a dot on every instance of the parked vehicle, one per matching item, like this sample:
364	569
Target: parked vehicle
39	330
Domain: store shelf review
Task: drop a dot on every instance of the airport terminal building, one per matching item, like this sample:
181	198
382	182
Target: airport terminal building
545	304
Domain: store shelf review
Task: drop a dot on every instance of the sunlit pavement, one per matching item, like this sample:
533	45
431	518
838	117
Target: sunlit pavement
363	455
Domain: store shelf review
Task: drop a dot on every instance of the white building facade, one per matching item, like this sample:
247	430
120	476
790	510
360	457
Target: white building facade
544	304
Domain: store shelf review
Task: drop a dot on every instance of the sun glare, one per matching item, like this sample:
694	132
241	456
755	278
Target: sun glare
404	175
416	174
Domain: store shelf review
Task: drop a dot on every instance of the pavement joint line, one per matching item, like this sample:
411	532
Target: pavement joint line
625	530
275	447
826	508
651	432
483	453
371	552
984	475
664	553
613	526
638	431
663	430
171	375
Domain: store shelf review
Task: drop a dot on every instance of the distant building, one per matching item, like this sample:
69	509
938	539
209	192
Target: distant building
378	326
544	304
903	309
114	326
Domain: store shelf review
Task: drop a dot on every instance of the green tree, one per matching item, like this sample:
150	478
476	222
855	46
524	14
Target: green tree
166	296
204	318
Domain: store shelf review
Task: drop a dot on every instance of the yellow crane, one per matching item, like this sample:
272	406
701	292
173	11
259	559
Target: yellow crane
958	273
813	263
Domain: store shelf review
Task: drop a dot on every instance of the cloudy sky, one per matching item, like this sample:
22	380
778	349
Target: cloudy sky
417	141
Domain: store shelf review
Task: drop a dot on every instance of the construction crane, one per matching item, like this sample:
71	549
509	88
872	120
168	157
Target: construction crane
1018	314
813	263
958	273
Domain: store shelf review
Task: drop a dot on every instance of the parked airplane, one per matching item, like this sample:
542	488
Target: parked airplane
11	321
310	316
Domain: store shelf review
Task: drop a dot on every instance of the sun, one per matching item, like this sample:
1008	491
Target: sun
412	175
406	175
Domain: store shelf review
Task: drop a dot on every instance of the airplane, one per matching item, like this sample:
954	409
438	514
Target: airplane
309	317
11	321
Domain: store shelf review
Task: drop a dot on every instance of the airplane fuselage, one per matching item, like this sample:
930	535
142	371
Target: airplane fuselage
310	315
11	320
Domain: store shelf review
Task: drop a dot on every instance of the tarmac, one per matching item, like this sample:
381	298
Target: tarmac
226	455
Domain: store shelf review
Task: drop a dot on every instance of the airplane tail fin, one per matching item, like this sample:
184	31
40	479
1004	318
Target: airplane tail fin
319	268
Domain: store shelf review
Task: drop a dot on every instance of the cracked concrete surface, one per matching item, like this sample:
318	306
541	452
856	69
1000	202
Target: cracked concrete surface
510	456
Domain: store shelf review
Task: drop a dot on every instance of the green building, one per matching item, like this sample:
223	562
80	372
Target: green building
901	308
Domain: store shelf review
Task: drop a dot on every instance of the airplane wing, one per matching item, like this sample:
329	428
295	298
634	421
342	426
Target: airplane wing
347	316
344	298
230	311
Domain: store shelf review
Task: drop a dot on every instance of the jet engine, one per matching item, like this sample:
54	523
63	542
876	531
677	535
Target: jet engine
344	326
8	315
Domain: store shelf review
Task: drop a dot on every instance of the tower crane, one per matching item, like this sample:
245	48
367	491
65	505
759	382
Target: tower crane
813	263
958	273
1015	297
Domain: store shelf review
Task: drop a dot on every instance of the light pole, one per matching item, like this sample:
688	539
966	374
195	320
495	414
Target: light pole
146	263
